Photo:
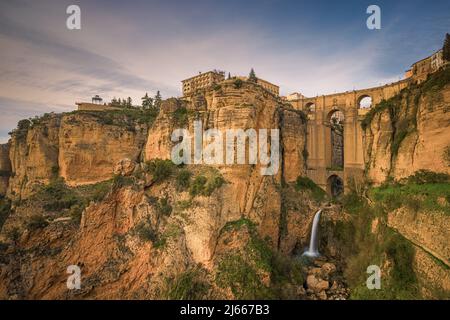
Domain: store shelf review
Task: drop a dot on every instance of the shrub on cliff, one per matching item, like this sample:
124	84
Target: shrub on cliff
183	180
238	83
37	222
189	285
160	169
427	176
205	186
304	183
180	116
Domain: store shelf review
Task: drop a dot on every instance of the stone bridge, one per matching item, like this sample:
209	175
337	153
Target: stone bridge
335	156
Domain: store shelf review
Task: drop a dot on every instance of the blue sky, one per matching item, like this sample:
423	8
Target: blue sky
127	48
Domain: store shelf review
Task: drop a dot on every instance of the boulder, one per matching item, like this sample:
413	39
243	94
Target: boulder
316	284
328	268
124	167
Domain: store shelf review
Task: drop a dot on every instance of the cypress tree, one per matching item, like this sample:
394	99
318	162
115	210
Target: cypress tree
446	48
252	76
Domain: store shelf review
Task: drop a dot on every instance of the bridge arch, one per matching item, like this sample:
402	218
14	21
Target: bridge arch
335	185
335	139
310	107
365	101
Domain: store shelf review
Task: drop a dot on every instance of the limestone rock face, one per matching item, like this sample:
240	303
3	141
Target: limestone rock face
428	230
5	168
89	149
124	167
412	137
293	132
34	156
81	148
145	231
158	144
247	107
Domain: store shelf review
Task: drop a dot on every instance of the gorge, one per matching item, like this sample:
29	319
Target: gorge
97	189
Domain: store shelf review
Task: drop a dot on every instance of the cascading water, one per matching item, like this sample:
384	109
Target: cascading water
313	250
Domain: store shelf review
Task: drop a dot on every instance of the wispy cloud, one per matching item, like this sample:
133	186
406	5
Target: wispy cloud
126	49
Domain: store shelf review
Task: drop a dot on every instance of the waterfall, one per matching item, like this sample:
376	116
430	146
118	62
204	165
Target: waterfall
313	250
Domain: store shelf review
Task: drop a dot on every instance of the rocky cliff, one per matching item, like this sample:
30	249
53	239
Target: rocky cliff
81	147
92	189
409	132
5	168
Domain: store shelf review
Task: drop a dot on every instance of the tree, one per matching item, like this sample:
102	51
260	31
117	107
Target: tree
147	102
129	103
252	76
229	76
114	102
157	100
446	48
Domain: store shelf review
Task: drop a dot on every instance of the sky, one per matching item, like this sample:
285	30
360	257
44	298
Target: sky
127	48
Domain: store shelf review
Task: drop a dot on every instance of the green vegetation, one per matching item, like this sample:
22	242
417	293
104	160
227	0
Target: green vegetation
184	204
160	169
164	207
181	117
13	234
446	48
202	185
424	190
415	196
252	76
57	197
402	124
364	248
183	179
127	118
243	270
189	285
426	176
37	222
304	183
238	83
145	232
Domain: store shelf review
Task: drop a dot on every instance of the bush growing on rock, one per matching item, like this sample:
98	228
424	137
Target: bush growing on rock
206	186
189	285
37	222
183	179
426	176
160	169
304	183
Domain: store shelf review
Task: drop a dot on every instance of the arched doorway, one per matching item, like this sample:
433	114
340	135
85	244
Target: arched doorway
336	124
365	102
335	185
310	107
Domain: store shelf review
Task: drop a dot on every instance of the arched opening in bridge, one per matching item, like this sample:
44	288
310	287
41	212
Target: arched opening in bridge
365	102
336	123
335	186
310	107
